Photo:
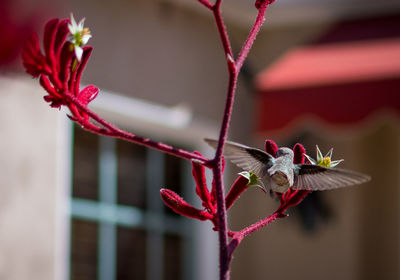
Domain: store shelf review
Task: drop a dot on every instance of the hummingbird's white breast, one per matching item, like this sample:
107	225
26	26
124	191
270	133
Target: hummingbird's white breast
280	182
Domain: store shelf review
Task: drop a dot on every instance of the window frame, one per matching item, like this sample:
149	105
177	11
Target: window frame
201	247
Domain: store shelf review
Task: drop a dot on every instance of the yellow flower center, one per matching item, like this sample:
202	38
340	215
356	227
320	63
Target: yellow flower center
325	162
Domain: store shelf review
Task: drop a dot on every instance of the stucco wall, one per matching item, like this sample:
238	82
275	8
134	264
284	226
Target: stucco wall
28	182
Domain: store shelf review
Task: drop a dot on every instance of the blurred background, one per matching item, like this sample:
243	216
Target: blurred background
77	206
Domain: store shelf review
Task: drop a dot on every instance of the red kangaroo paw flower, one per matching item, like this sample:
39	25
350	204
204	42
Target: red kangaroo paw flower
238	187
198	172
271	147
33	60
299	153
180	206
59	70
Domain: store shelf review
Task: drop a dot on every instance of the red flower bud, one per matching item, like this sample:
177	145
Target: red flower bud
198	172
238	187
271	147
180	206
299	152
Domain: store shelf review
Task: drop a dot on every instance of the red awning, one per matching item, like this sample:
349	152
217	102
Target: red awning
336	84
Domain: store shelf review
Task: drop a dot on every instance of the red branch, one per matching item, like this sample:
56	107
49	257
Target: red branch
119	133
238	236
252	35
233	69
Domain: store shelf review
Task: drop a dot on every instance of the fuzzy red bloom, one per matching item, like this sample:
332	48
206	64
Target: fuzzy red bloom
58	69
180	206
202	191
271	148
238	187
33	59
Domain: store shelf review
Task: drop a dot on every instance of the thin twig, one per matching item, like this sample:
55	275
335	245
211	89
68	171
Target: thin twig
206	3
113	131
238	236
217	168
252	35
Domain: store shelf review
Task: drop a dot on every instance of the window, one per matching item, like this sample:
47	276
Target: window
120	228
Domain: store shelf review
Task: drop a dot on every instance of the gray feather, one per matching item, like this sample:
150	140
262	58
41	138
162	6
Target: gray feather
249	159
314	177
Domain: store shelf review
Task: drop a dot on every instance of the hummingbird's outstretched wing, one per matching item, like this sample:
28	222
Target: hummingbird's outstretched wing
318	178
249	159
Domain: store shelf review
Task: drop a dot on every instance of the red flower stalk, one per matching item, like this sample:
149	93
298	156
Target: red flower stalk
59	71
259	3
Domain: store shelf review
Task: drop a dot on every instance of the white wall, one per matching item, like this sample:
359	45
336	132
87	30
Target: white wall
30	187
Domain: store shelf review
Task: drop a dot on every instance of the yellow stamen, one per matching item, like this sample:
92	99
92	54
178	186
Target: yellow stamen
325	162
85	31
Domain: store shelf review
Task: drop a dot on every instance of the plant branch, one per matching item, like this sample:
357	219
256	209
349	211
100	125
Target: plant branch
110	130
206	3
222	30
217	162
221	224
252	35
233	70
238	236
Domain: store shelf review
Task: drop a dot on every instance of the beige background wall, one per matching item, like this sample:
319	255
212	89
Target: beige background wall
30	185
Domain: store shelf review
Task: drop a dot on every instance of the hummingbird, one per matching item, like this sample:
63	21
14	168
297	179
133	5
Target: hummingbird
279	174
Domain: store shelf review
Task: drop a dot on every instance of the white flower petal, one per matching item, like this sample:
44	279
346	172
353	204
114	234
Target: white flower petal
310	159
329	153
80	24
319	154
85	38
72	19
78	53
336	162
70	28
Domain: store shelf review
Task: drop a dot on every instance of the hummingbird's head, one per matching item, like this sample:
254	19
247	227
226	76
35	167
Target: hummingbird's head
284	152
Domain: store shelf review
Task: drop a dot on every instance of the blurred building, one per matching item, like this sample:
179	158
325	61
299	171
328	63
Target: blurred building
78	206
